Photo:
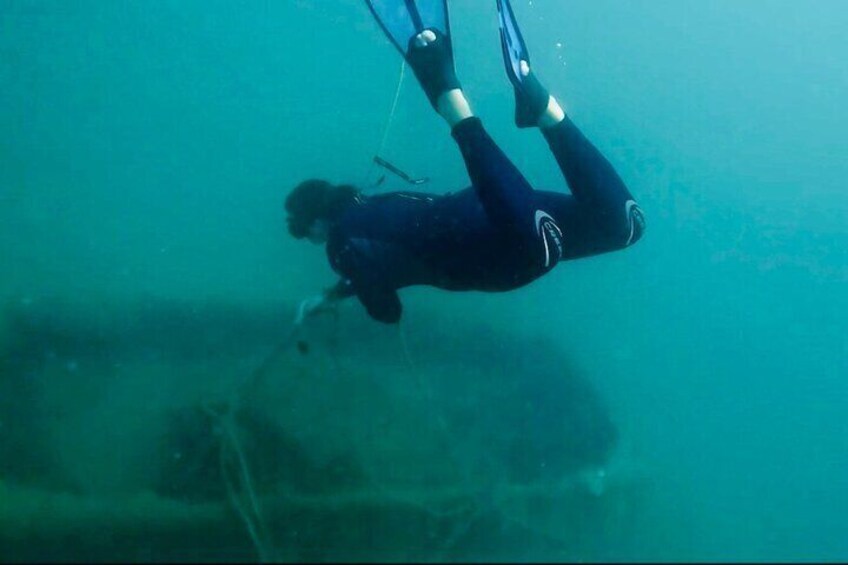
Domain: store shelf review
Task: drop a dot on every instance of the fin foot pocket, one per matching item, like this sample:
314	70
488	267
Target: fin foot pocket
531	98
433	66
402	21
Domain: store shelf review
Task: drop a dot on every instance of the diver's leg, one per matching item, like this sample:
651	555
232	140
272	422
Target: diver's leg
505	194
420	30
508	198
454	107
431	58
590	176
552	115
594	182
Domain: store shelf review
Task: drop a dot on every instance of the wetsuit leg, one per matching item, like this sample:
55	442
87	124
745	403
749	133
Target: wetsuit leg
599	191
507	197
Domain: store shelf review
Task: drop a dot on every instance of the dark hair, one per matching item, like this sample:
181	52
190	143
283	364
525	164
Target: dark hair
317	200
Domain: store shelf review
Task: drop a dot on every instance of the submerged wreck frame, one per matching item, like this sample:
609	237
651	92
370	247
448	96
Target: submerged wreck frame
544	517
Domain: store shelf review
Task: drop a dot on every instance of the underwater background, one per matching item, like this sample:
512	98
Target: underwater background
682	399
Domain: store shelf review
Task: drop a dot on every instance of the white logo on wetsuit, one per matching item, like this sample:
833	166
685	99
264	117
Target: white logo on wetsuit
547	229
635	220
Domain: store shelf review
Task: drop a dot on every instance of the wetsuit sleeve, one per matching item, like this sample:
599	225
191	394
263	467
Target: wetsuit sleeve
381	304
341	290
364	276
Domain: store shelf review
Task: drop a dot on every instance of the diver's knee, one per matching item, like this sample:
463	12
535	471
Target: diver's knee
635	223
627	232
551	240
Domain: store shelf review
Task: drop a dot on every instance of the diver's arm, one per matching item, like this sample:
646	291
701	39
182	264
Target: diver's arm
339	291
382	304
324	301
369	270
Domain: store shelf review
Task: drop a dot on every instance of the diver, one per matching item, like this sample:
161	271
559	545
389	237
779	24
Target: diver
498	235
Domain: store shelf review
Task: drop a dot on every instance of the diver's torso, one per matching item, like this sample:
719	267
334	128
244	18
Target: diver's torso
445	241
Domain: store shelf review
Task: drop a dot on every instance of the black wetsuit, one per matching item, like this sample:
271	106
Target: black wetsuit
497	235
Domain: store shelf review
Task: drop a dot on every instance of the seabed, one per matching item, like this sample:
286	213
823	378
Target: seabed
124	439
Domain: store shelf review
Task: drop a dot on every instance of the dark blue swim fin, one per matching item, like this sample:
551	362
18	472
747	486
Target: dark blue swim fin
401	21
531	98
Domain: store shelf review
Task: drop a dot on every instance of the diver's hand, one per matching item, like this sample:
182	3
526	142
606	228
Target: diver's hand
311	306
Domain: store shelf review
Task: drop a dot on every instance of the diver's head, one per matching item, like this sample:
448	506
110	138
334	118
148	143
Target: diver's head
314	206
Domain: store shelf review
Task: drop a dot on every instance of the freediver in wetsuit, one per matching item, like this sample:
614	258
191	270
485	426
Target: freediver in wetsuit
497	235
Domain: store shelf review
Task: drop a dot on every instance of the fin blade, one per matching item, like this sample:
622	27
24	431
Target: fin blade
403	19
512	42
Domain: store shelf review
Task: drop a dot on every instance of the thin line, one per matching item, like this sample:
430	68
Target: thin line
389	121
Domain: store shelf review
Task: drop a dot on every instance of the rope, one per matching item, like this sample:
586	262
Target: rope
253	521
389	120
236	503
250	490
255	525
391	117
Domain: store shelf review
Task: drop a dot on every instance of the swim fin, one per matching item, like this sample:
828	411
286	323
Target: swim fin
531	98
402	21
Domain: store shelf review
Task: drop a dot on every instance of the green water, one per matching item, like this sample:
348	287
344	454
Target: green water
146	151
